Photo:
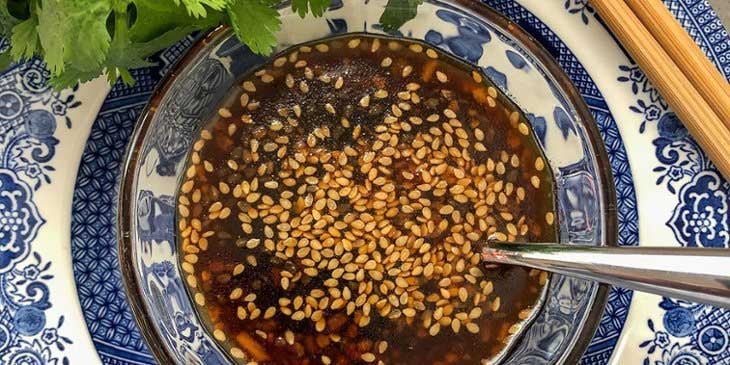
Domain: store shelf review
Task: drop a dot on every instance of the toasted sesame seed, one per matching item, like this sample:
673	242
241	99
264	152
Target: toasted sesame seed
539	164
293	57
375	45
523	129
380	94
279	62
496	303
455	326
199	299
225	113
236	293
330	109
549	218
365	101
219	335
367	357
354	43
417	48
407	70
237	353
249	86
535	181
434	330
463	295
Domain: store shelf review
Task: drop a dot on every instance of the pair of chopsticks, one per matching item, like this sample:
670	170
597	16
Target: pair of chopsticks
677	67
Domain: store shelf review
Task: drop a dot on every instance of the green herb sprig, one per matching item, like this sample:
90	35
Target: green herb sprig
80	40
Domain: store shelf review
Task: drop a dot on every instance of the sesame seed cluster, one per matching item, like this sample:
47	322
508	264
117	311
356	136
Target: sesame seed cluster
344	197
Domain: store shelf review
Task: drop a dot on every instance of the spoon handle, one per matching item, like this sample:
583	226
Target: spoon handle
695	274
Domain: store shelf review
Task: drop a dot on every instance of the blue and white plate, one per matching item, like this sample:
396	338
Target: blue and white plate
62	300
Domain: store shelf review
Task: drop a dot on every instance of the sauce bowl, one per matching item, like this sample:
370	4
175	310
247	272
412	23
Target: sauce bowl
558	331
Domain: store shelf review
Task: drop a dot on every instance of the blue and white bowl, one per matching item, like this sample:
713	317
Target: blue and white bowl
562	328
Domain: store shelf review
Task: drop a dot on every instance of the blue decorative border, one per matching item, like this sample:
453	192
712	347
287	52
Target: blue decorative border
689	333
93	232
30	113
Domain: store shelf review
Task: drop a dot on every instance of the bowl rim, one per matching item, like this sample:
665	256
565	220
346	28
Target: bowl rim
141	315
157	345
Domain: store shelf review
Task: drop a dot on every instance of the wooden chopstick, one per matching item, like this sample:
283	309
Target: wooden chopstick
686	54
694	111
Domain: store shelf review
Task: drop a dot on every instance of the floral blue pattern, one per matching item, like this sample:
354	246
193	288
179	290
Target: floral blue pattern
19	220
701	218
693	334
581	7
29	115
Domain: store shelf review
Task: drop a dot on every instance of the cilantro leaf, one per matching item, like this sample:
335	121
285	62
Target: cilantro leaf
123	54
317	7
24	42
158	24
398	12
197	8
255	23
74	32
157	17
82	39
120	6
51	37
87	38
72	76
7	20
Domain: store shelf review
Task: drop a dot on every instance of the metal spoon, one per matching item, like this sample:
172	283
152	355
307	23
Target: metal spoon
695	274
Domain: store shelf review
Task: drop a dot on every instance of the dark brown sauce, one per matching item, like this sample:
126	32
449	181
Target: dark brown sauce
363	215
